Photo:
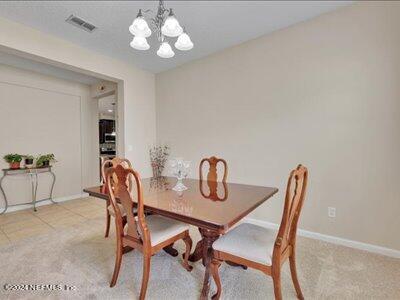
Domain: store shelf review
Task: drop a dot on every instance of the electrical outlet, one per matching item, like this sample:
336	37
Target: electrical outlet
130	148
332	212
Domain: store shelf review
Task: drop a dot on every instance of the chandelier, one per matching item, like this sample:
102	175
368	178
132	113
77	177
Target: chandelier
165	26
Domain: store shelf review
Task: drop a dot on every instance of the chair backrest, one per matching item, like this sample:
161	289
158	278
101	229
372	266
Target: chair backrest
212	171
114	162
295	194
137	229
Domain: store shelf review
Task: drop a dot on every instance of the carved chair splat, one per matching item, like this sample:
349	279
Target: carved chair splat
104	166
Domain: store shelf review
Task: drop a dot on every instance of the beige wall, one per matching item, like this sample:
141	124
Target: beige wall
41	114
136	97
324	93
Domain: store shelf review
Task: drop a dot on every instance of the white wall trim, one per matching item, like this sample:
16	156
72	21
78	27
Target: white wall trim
332	239
37	88
59	199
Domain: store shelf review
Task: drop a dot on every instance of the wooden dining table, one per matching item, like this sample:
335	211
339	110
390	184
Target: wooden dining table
213	207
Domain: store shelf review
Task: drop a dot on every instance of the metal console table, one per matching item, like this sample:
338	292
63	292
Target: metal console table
33	174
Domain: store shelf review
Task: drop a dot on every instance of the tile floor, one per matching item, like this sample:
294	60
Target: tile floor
27	223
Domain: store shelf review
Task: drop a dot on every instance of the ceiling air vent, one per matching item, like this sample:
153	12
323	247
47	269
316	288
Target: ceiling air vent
82	24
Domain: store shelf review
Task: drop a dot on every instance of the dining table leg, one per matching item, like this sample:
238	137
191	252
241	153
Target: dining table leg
209	237
197	253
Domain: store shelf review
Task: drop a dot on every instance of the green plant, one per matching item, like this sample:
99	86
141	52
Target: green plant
13	158
43	158
28	156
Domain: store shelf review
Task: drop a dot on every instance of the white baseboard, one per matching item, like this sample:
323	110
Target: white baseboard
301	232
332	239
59	199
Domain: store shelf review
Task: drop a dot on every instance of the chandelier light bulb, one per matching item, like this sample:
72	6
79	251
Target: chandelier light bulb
139	43
165	51
171	26
140	27
183	42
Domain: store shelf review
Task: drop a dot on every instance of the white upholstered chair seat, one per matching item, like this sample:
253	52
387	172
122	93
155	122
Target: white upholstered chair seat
248	241
161	228
121	209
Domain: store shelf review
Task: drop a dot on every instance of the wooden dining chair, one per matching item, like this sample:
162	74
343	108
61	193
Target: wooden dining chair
147	234
261	248
212	178
212	171
105	165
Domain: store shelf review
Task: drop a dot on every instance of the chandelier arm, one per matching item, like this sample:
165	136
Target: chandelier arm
147	11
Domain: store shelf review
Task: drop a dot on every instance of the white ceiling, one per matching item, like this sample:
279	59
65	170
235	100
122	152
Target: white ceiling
212	25
42	68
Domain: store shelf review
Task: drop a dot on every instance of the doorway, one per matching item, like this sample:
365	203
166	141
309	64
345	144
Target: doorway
107	112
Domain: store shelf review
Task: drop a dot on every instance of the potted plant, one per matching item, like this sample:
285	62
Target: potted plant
45	160
29	161
14	160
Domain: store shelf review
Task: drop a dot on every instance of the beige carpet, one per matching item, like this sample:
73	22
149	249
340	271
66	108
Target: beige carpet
80	256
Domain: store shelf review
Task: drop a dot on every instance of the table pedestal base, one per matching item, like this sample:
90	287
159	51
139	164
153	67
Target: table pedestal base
203	251
197	253
208	239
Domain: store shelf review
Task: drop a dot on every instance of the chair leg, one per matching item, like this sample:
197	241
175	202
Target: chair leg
188	242
146	275
118	260
293	271
215	274
108	219
276	278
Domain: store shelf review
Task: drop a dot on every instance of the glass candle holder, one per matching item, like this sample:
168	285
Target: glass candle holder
180	169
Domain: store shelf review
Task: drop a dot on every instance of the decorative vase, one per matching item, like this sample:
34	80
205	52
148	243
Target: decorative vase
28	163
46	163
157	170
15	165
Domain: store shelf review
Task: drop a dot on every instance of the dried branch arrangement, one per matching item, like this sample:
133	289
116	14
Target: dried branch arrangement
158	157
